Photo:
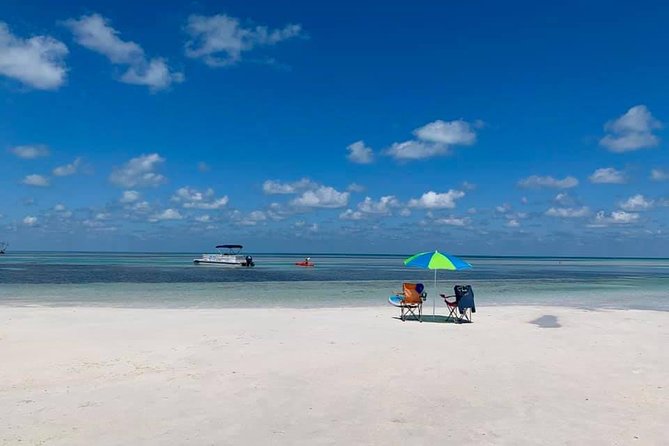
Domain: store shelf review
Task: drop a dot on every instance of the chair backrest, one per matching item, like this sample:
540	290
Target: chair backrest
464	296
412	293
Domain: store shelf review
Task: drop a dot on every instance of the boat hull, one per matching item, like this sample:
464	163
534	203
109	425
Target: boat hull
218	263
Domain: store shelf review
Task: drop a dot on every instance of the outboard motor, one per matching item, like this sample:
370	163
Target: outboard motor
249	261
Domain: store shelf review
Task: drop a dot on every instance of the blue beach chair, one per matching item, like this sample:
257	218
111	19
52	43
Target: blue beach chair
462	308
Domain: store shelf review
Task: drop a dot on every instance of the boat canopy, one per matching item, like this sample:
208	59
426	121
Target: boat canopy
229	247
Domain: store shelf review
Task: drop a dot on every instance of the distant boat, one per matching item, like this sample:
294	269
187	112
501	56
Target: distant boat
3	247
228	255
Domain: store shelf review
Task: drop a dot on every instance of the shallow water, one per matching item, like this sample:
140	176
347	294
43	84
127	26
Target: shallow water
171	280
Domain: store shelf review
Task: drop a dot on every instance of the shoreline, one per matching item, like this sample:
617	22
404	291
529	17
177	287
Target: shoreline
517	375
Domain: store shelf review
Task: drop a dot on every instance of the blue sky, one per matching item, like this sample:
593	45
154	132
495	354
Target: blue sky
520	128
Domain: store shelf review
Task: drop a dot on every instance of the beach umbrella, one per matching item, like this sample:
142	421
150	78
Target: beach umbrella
436	261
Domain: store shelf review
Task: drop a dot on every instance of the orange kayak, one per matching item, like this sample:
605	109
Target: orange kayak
304	263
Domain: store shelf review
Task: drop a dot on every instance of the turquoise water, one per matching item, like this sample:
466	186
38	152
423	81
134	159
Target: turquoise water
171	280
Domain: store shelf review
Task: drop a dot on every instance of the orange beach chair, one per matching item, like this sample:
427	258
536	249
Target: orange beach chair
409	300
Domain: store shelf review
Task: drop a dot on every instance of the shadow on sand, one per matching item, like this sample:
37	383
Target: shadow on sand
546	321
436	319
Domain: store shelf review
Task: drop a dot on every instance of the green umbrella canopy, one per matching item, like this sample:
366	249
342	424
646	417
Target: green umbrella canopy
436	260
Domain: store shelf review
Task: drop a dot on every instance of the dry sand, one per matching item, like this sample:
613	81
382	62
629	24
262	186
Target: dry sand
105	376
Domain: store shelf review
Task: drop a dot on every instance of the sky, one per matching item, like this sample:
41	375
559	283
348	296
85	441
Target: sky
480	127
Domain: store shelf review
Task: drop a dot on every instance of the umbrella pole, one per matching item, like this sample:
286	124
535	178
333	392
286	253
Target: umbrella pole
434	298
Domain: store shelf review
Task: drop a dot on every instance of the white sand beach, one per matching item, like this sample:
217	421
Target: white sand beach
109	376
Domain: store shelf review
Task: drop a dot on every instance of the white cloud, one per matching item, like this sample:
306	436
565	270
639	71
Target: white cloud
355	187
503	208
350	214
563	198
129	196
203	218
59	207
659	175
67	169
167	214
433	139
405	212
568	212
383	206
220	40
453	221
251	219
513	223
154	74
36	180
139	172
416	150
38	62
93	32
631	131
536	181
191	198
30	152
450	133
30	221
616	217
359	153
272	187
321	197
434	200
607	175
636	203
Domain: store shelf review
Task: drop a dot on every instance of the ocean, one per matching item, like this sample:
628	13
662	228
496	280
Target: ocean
171	280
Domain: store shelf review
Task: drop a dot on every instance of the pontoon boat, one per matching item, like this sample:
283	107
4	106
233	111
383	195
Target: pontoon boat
228	255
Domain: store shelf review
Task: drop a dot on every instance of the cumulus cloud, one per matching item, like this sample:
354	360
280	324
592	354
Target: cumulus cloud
615	217
321	197
434	200
607	175
167	214
220	40
383	206
67	169
139	172
38	62
273	187
449	133
355	187
637	203
359	153
659	175
30	221
416	150
94	32
191	198
631	131
563	199
452	221
369	206
568	212
129	196
350	214
36	180
433	139
512	223
30	152
536	181
250	219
